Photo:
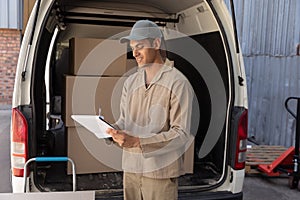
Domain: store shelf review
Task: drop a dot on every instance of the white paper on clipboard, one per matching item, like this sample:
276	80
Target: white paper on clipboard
94	124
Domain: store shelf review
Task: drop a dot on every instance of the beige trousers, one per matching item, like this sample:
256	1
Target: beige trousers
137	187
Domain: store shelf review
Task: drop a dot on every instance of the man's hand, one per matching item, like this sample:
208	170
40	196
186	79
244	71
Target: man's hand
123	139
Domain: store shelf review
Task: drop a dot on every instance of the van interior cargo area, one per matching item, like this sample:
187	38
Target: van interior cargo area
106	21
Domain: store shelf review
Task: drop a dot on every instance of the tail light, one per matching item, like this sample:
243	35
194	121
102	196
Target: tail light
19	135
241	142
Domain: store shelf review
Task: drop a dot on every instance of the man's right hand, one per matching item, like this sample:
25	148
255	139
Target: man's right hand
123	139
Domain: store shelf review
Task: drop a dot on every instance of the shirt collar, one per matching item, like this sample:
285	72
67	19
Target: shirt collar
167	66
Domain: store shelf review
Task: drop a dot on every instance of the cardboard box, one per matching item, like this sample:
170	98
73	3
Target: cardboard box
97	57
90	154
85	95
93	155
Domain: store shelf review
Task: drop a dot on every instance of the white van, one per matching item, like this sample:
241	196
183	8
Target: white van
72	63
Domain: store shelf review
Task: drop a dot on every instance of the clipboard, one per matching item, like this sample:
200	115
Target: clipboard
94	124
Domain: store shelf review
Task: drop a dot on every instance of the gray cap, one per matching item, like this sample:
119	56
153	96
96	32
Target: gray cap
143	29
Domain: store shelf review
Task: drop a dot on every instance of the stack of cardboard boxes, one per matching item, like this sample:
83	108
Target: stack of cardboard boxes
98	69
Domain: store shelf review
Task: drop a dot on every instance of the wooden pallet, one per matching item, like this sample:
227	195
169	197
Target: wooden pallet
261	154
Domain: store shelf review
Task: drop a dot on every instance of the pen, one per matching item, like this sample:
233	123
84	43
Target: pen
99	113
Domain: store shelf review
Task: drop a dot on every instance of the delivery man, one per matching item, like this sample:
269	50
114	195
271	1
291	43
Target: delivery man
154	124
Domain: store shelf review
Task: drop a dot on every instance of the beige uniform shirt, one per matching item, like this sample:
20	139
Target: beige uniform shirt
160	116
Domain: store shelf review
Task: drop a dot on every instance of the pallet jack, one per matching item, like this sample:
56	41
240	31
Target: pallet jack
288	162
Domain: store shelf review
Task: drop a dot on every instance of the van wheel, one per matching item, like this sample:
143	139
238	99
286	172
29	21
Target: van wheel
293	182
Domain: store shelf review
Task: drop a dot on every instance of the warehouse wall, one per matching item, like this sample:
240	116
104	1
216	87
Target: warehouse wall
11	14
269	33
9	51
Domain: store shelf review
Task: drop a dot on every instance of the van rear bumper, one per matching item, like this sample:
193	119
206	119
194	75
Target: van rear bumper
188	195
211	196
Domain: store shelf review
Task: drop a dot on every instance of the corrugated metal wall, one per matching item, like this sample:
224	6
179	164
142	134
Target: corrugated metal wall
11	14
269	32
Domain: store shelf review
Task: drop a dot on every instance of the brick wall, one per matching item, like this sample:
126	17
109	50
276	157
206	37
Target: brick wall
9	52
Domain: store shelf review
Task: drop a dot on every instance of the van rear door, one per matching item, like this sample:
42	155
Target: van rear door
200	39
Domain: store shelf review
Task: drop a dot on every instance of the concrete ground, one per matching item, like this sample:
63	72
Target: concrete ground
265	188
5	115
255	187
